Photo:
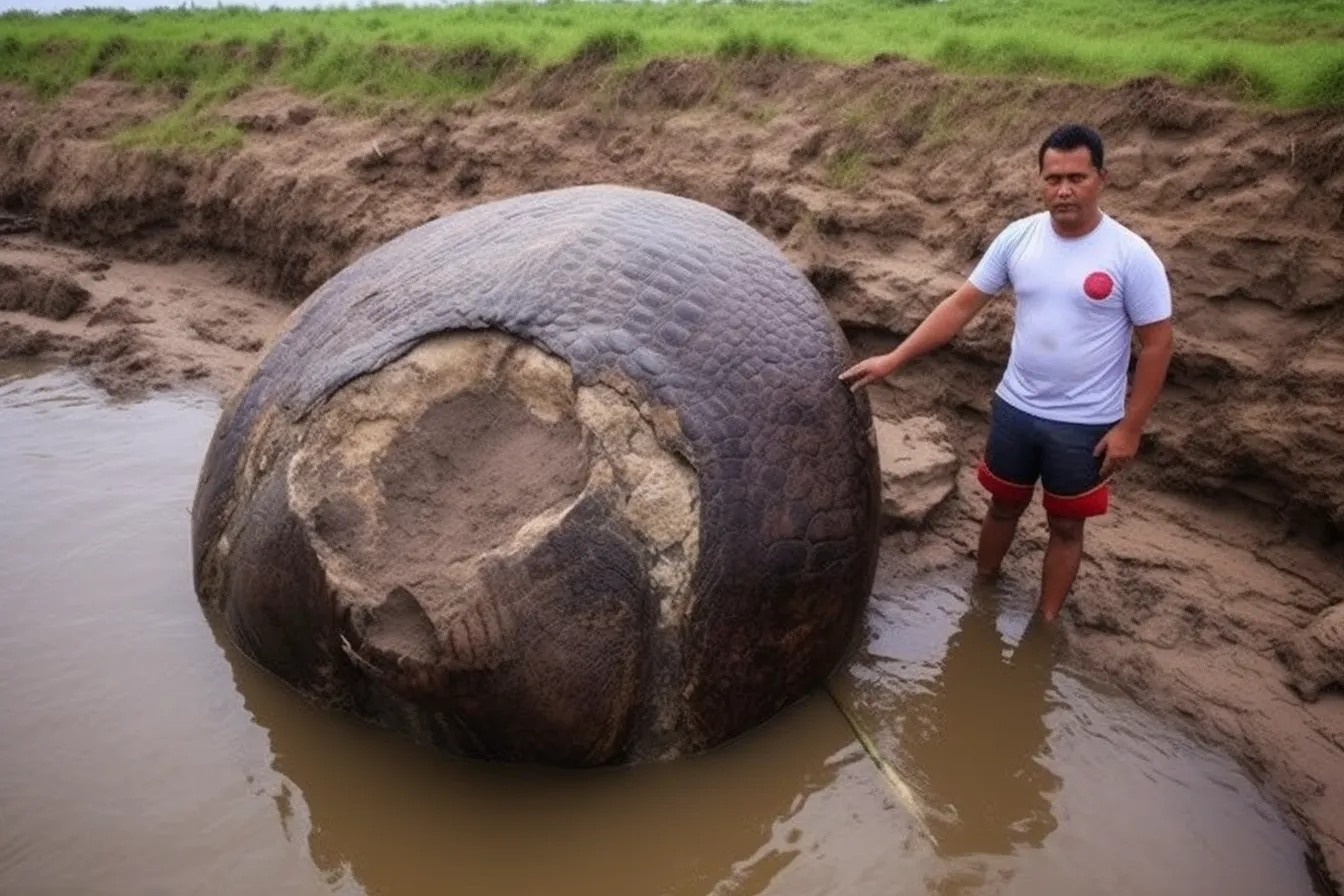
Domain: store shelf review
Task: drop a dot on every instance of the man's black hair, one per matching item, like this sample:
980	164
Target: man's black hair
1072	136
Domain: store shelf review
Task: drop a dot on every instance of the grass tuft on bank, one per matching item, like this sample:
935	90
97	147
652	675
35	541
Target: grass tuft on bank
193	124
1266	51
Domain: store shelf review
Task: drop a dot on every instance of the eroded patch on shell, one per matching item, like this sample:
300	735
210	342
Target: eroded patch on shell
474	447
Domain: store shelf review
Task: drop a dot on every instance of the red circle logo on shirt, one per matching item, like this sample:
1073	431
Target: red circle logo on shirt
1098	285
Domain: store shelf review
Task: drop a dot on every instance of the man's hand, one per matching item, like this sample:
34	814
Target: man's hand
944	321
1119	445
1122	442
869	370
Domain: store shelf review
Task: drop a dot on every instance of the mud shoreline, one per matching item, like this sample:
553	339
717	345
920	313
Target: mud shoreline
1211	594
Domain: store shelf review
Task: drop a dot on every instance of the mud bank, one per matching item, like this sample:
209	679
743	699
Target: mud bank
1212	593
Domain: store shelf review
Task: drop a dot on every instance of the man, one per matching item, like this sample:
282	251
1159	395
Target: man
1084	284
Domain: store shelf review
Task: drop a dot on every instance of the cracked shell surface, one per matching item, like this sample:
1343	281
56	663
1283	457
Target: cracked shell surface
564	478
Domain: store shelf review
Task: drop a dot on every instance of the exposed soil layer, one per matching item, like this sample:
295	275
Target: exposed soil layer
40	293
1213	590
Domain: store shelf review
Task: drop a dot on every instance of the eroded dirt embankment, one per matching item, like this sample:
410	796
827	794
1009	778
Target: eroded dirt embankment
1213	592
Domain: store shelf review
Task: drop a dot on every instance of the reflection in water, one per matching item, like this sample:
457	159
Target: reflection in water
391	817
975	737
1035	781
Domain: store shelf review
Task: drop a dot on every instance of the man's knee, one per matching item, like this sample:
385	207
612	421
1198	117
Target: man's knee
1065	528
1006	510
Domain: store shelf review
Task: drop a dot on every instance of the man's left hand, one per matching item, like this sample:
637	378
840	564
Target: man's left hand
1119	446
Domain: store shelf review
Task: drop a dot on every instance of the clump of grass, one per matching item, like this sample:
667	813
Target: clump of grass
364	78
49	66
956	51
847	169
1012	55
1229	72
477	66
1326	88
309	46
194	125
267	52
753	46
182	130
607	46
108	52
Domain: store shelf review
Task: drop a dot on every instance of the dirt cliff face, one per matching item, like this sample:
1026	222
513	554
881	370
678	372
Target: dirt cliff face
1208	592
884	182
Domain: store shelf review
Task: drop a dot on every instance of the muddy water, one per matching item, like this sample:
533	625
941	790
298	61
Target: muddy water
140	754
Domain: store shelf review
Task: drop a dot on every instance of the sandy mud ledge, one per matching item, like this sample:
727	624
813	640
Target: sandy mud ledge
1212	593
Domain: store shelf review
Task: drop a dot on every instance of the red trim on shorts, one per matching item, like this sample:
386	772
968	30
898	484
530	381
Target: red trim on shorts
1002	488
1093	502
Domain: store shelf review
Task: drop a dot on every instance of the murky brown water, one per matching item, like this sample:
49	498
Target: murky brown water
140	754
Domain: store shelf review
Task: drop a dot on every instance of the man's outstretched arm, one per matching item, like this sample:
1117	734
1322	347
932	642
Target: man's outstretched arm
945	321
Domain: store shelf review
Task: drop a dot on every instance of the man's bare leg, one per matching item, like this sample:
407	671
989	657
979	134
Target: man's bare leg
996	535
1063	554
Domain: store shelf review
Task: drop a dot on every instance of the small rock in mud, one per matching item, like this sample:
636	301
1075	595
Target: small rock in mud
777	210
470	177
94	265
375	156
263	123
18	342
438	153
117	311
53	296
919	468
119	345
302	114
223	332
809	149
1315	655
122	362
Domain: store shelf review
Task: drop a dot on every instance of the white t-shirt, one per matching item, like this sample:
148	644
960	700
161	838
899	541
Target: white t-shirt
1078	300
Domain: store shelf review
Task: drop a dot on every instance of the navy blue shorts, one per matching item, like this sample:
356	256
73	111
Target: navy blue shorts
1024	448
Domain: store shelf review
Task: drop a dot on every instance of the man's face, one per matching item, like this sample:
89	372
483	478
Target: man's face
1070	187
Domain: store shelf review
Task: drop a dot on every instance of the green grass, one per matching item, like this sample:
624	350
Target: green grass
1284	53
192	124
847	169
186	131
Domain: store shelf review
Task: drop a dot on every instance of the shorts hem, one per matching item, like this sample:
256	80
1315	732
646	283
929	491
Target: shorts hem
1001	488
1093	502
